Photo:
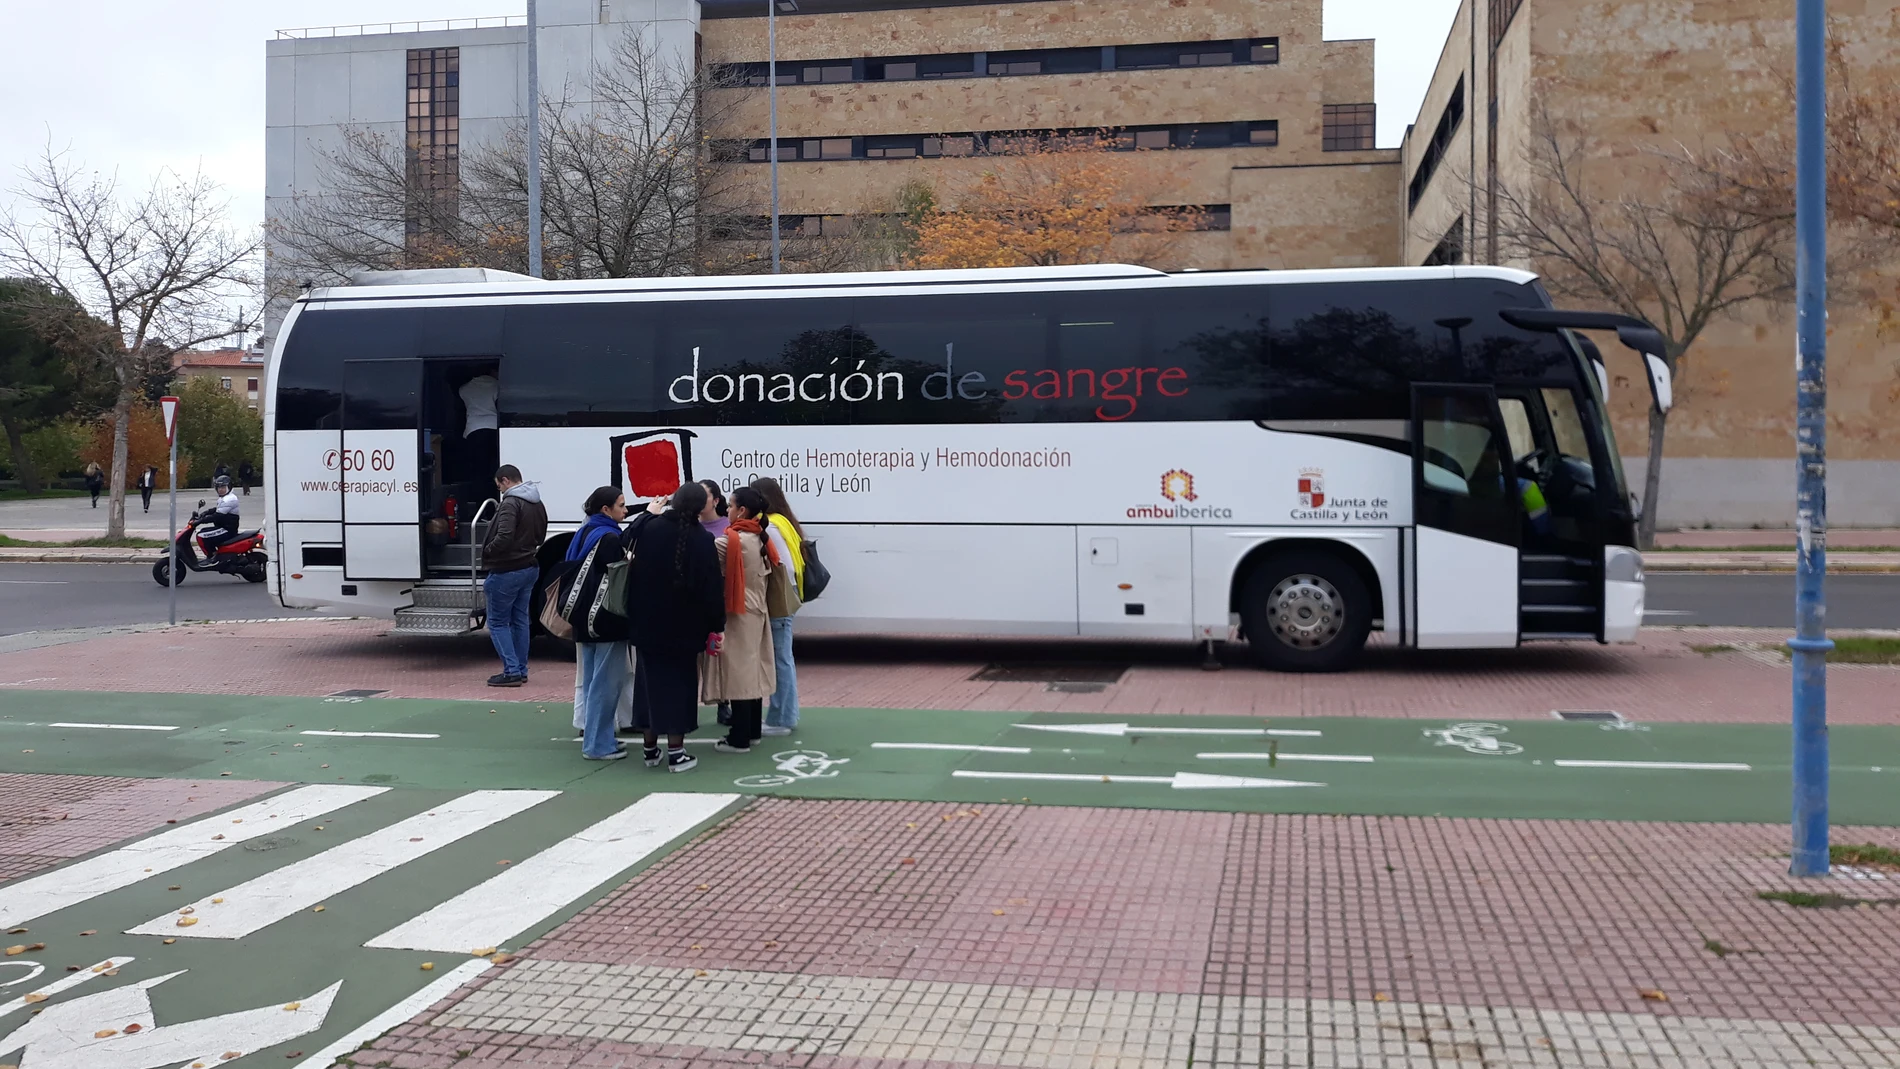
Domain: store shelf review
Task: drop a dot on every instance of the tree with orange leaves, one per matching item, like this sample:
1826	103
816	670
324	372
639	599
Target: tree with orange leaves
1046	201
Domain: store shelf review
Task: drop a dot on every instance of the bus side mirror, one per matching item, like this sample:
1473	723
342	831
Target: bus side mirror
1661	387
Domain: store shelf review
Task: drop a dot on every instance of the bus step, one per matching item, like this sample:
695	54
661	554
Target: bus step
1557	636
1550	566
460	596
420	621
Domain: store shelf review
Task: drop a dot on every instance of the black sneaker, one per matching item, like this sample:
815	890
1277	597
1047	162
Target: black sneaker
653	756
726	747
617	755
681	762
503	679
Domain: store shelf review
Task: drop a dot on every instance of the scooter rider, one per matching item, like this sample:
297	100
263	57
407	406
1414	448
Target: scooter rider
223	516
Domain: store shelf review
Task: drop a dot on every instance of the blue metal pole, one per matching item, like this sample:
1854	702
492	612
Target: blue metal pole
1810	643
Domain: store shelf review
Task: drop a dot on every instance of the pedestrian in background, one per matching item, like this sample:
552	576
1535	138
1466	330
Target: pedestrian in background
245	474
677	603
148	481
713	519
782	717
509	553
600	635
742	672
95	481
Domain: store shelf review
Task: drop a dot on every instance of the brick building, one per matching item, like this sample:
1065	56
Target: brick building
238	372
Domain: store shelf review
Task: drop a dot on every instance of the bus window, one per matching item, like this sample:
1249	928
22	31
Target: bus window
747	363
578	365
1517	427
1460	447
966	359
1567	425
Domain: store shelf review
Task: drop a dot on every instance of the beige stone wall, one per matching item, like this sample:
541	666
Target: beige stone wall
1311	73
1313	217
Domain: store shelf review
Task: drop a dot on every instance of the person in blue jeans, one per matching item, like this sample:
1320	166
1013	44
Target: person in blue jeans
509	553
782	601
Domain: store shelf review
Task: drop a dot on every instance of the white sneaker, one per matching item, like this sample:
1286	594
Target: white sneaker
774	731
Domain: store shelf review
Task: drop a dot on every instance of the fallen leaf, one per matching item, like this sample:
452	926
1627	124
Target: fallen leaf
699	972
102	966
23	931
294	1054
16	949
696	946
908	861
701	887
217	901
220	835
317	909
26	751
500	863
482	952
33	997
173	887
415	839
230	1054
36	946
293	1005
104	1032
134	1027
319	827
224	773
168	822
502	959
169	942
323	766
428	966
997	912
1651	994
1105	779
90	931
1380	996
238	820
187	911
72	968
771	945
912	824
186	922
946	816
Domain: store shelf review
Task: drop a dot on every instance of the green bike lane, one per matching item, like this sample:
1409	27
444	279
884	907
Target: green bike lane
411	761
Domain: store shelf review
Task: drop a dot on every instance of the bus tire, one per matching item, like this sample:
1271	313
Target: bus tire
1305	610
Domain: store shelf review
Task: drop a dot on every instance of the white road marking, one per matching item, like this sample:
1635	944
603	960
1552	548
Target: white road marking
431	993
65	983
1126	729
1353	758
503	906
114	727
1179	781
1667	612
269	898
64	1036
1689	766
33	582
372	734
948	746
69	885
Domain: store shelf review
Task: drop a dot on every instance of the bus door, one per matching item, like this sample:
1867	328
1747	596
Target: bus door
378	468
1467	520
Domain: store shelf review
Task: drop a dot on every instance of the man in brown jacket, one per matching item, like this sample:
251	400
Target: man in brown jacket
509	552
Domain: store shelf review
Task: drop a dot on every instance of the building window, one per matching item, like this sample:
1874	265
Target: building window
1197	54
224	384
1348	127
1502	12
250	386
1046	61
433	143
1257	134
1254	50
1450	249
1448	122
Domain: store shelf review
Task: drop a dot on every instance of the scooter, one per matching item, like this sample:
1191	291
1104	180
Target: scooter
241	555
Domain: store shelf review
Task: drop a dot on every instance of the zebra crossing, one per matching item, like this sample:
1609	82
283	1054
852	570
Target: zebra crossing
402	877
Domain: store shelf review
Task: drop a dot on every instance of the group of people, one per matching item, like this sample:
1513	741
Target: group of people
710	586
148	481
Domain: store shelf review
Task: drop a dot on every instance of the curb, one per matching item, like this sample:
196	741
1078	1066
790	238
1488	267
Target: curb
79	556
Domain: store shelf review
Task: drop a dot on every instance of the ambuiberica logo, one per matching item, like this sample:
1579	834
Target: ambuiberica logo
1177	488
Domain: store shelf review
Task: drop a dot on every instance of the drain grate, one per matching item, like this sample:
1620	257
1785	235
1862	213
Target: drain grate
1592	715
1102	675
356	693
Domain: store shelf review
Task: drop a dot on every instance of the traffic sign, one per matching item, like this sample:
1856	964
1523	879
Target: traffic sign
169	406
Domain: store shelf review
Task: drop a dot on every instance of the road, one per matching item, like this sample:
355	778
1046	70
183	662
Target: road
43	597
38	597
1854	601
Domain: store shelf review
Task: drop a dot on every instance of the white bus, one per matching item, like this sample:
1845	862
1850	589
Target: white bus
1291	458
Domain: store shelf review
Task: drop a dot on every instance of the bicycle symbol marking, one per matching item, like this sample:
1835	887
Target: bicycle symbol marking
1475	737
793	766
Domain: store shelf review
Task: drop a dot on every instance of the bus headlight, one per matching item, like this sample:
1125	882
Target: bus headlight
1621	564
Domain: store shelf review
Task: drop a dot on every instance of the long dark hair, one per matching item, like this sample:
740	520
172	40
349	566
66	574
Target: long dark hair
775	503
687	503
718	497
754	502
601	498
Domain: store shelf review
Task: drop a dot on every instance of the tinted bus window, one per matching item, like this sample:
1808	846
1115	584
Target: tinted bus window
1352	352
310	379
580	365
1217	336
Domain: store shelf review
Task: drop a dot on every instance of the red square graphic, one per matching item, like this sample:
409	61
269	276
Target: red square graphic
652	467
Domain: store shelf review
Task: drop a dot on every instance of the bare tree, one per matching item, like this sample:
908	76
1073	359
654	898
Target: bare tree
159	272
1664	244
632	186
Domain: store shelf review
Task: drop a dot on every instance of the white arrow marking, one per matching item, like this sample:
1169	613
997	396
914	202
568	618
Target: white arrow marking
1352	758
1686	766
1180	781
431	993
1125	729
65	983
69	885
948	746
64	1037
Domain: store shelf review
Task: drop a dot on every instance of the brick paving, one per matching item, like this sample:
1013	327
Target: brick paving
1672	674
797	934
45	820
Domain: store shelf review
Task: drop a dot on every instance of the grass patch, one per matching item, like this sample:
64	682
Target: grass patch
1710	651
100	542
1860	649
1809	900
1864	855
1718	948
17	494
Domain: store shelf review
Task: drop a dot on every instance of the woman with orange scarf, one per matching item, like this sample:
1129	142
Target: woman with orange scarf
742	671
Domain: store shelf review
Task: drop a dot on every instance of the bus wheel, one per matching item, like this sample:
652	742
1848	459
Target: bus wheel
1305	611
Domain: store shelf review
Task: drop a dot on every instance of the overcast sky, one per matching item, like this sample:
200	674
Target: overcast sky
138	85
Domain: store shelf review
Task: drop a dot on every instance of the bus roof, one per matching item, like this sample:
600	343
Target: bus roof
393	286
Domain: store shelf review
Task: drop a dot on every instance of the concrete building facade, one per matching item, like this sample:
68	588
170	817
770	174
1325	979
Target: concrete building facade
242	373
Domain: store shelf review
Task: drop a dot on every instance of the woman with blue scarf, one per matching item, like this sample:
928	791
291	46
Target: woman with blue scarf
602	521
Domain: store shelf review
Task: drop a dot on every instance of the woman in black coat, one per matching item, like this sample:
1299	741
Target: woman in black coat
677	604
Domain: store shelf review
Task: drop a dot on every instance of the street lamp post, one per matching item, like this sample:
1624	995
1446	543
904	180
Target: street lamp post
534	146
1810	642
